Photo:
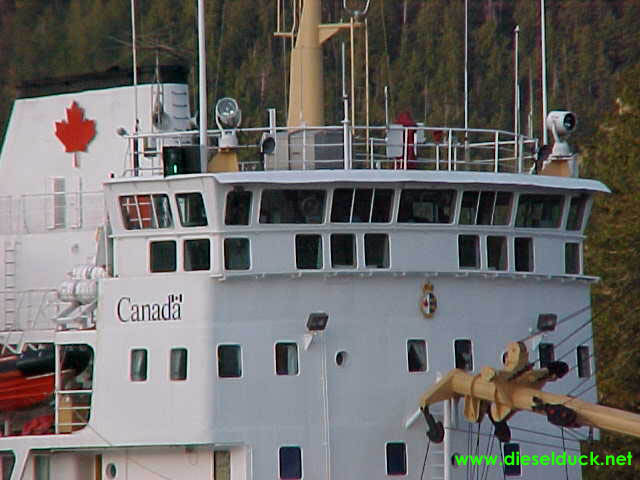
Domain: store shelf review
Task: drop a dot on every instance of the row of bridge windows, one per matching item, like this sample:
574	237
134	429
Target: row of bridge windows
163	254
359	205
286	359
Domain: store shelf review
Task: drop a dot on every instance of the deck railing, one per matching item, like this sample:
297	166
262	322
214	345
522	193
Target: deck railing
395	147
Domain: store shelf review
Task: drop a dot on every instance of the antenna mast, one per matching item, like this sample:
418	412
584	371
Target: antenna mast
544	75
202	86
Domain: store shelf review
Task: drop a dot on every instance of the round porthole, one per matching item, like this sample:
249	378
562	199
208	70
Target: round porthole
341	358
111	470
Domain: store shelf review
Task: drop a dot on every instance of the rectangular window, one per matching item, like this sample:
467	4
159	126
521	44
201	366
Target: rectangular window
162	256
146	211
286	358
41	467
178	364
539	211
229	361
361	205
221	465
426	206
376	250
343	248
468	251
576	212
523	252
584	361
572	258
417	355
546	354
237	254
512	466
290	460
485	208
138	370
7	462
197	254
309	252
238	211
191	209
396	458
59	203
292	206
463	354
497	258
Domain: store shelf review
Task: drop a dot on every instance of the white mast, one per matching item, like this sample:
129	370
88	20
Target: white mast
466	64
202	86
516	113
135	65
544	75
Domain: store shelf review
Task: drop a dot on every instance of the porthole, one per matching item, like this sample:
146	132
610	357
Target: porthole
341	358
111	470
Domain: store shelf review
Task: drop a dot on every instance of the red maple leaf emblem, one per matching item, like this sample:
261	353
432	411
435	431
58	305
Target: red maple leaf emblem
77	132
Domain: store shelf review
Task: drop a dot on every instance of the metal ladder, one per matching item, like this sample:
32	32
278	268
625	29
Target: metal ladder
10	295
436	460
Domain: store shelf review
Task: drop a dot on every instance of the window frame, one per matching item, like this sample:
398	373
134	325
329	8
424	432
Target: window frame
323	220
426	355
224	254
532	256
241	357
505	466
153	241
471	350
388	250
179	378
154	220
275	358
295	249
531	207
404	471
452	205
354	251
505	244
184	224
478	252
184	254
243	191
131	364
577	259
580	370
301	464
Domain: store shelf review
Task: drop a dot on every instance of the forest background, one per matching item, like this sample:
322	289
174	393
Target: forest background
417	50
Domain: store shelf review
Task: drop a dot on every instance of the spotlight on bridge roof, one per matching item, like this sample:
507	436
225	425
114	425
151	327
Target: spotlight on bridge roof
547	322
317	322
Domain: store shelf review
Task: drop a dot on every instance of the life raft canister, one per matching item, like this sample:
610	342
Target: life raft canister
428	302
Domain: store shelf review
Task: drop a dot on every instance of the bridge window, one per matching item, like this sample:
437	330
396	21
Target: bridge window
523	251
584	361
145	211
572	258
191	209
576	212
512	466
361	205
396	458
237	254
292	206
229	361
41	467
138	367
238	211
162	256
463	354
376	250
290	463
468	251
308	252
485	208
286	358
539	211
178	364
343	250
197	254
417	355
426	206
497	253
7	462
546	354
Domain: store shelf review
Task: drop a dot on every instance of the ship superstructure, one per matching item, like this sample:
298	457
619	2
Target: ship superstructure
280	314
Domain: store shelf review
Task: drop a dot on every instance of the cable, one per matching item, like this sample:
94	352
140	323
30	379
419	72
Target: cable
566	469
424	463
529	442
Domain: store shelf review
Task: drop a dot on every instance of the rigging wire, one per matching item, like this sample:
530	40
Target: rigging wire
566	469
529	442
